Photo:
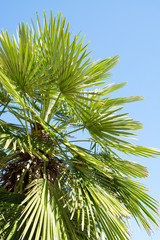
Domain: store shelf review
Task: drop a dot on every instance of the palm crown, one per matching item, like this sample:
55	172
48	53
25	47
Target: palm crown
52	187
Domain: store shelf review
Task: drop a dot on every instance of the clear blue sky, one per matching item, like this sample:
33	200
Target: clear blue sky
130	29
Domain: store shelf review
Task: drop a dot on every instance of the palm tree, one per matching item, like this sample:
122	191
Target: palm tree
54	185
